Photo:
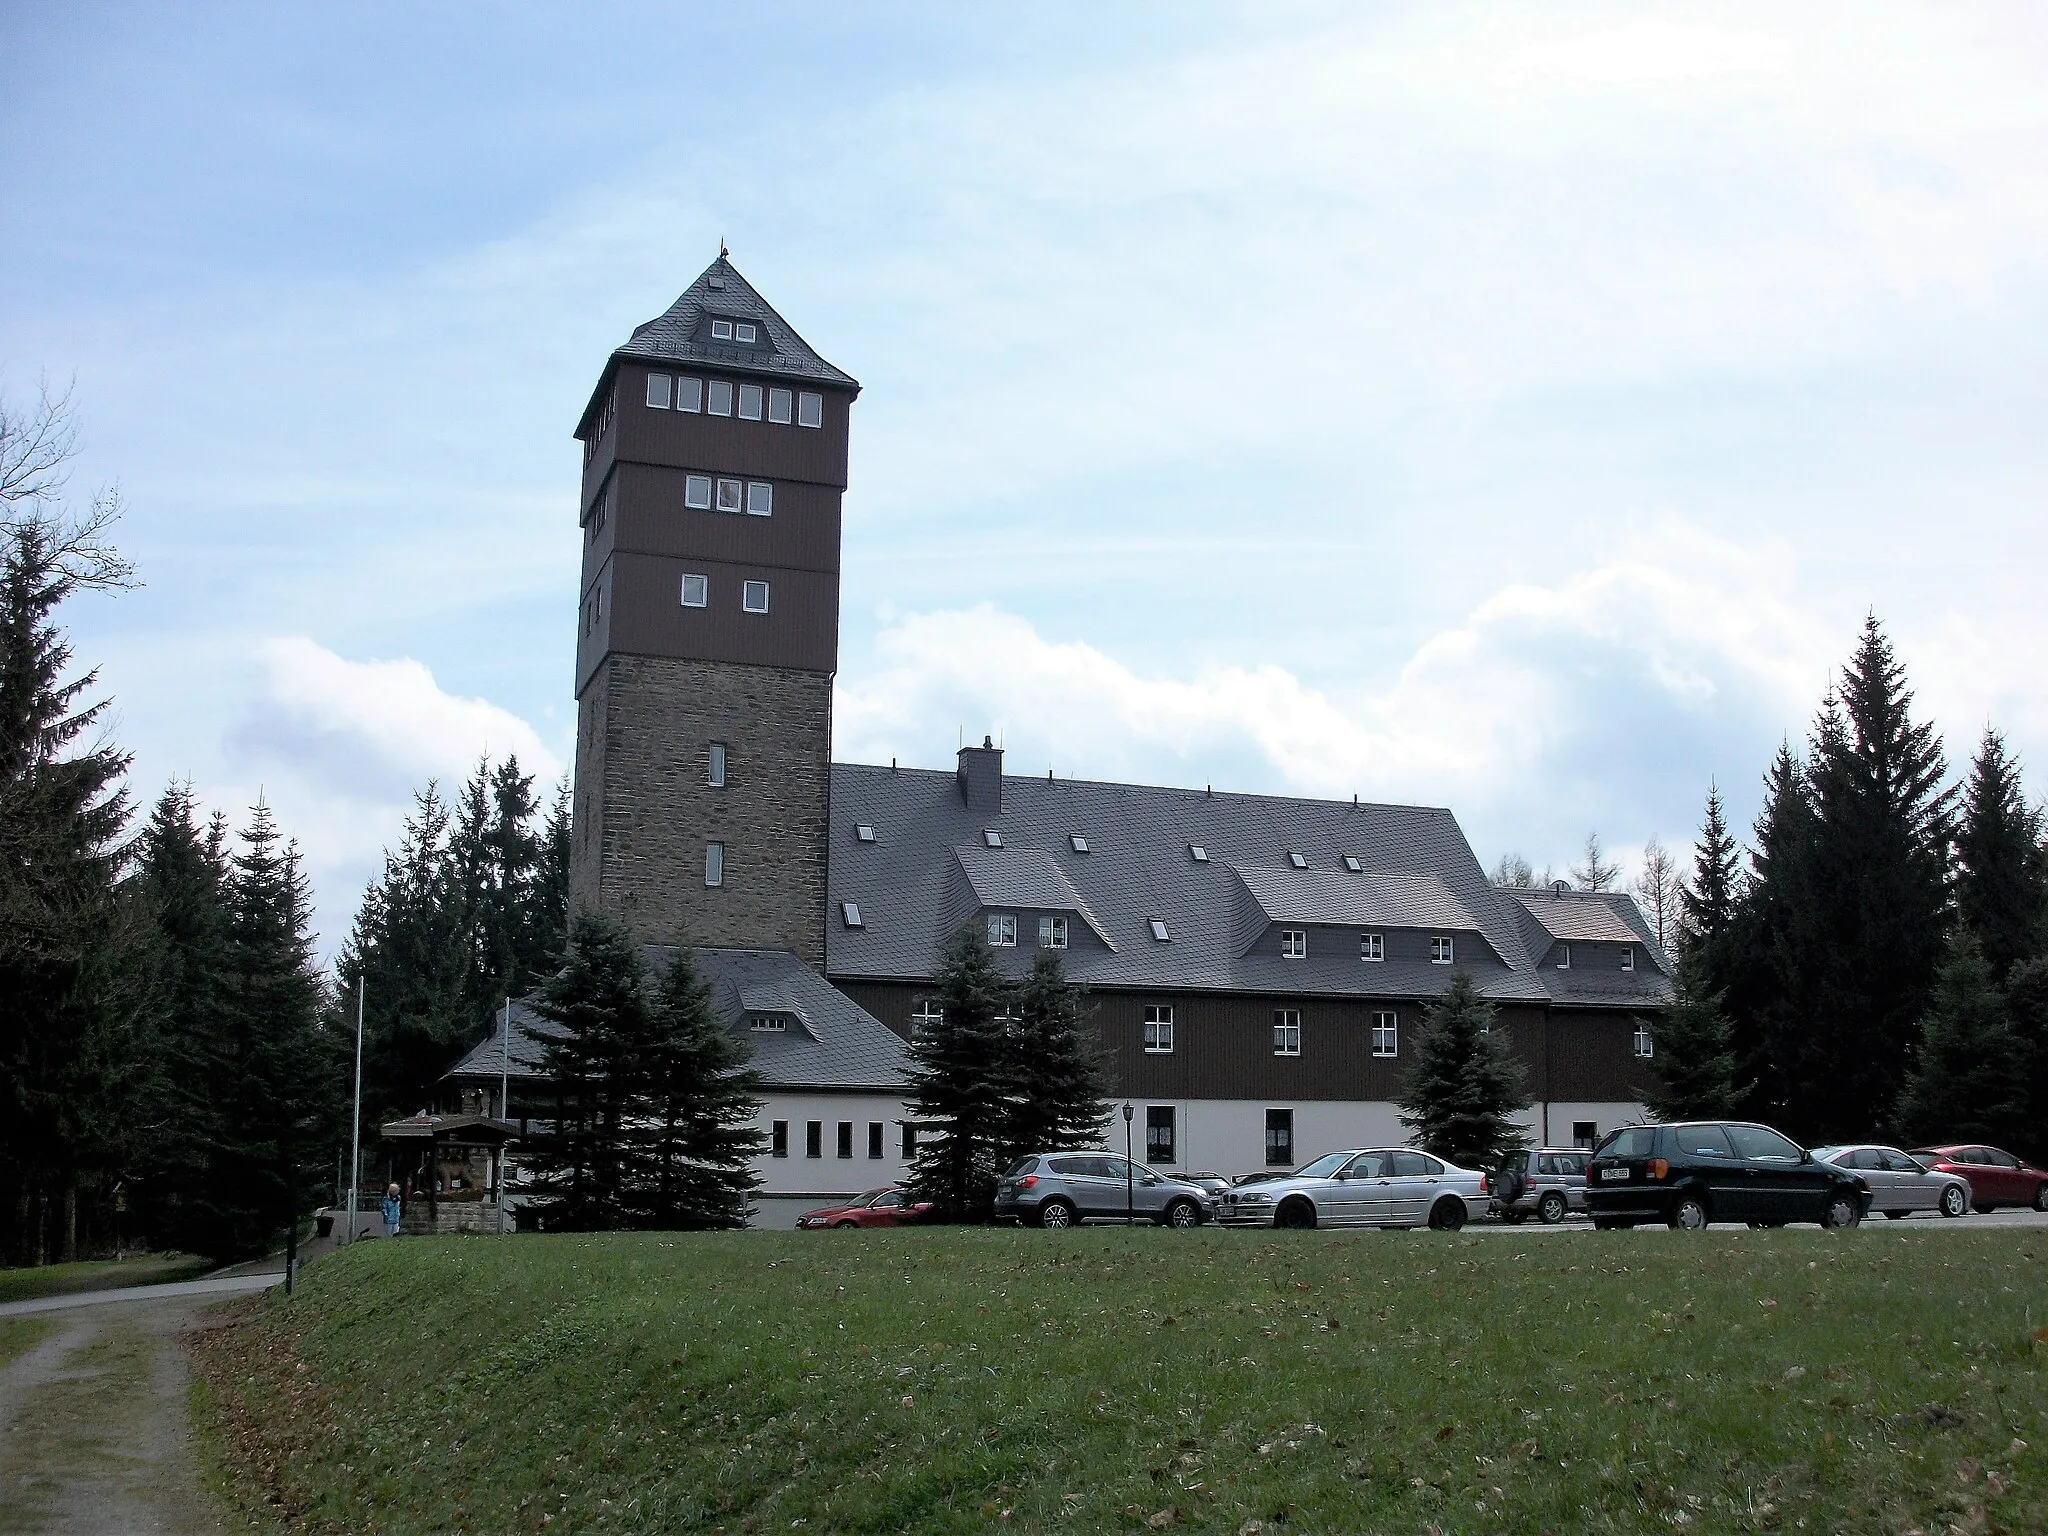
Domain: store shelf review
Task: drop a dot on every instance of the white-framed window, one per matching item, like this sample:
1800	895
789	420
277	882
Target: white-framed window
721	330
810	410
743	330
1628	957
768	1023
779	403
1386	1034
689	394
754	596
750	402
1645	1046
1002	930
1198	853
697	492
731	495
925	1018
714	863
1440	949
721	397
1293	943
1052	933
1286	1031
1372	946
716	765
1564	957
849	912
659	386
1297	860
991	837
1080	843
696	591
863	833
1159	1029
760	498
1159	931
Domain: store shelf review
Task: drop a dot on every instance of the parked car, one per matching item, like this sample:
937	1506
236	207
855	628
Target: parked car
1547	1183
1214	1183
889	1206
1366	1187
1899	1182
1996	1178
1717	1170
1057	1189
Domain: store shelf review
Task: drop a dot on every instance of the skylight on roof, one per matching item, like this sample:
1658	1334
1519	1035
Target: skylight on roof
1159	932
850	910
864	833
1351	863
992	837
1080	843
1297	861
1198	853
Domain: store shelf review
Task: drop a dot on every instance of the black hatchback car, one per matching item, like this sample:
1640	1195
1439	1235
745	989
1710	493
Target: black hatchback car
1716	1170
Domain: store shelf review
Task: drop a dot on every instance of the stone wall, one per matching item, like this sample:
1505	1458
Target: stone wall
645	809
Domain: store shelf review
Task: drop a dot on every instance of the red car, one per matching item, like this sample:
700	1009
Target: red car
889	1206
1996	1178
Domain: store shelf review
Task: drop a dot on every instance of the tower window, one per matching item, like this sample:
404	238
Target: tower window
721	330
658	385
729	495
1286	1031
810	410
754	597
717	778
696	591
1372	946
1293	943
697	492
1159	1029
750	402
714	863
1052	933
779	402
689	394
760	498
1002	930
849	911
1440	950
721	398
1386	1034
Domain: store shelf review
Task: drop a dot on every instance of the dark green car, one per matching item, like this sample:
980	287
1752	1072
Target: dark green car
1717	1170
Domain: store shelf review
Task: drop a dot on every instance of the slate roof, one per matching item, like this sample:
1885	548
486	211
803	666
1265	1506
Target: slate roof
1596	924
682	335
832	1044
1414	863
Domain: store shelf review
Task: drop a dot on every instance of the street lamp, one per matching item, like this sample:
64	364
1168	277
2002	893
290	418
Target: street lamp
1130	1211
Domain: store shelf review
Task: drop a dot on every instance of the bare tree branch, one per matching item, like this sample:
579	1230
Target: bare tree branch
72	547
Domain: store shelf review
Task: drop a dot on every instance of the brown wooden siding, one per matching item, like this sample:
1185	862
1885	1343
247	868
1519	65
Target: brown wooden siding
645	435
644	615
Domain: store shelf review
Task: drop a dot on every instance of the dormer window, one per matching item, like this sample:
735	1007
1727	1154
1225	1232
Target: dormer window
1293	943
992	837
1628	957
1080	843
864	833
1002	930
1564	957
769	1023
1052	933
849	911
1297	861
1198	853
743	330
1440	949
721	330
1372	946
1351	863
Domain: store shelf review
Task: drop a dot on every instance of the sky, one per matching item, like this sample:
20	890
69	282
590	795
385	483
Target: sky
1516	409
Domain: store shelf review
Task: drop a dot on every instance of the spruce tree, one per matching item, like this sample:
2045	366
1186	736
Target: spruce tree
1056	1087
1759	974
960	1082
1707	902
2001	869
704	1099
2026	996
1695	1066
547	914
1461	1096
1962	1086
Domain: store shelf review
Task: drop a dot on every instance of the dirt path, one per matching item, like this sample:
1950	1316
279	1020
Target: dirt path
93	1436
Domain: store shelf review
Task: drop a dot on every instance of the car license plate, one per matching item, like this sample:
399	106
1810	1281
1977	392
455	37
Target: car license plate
1613	1173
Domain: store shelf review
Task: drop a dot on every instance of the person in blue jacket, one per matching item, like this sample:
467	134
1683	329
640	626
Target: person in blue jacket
392	1211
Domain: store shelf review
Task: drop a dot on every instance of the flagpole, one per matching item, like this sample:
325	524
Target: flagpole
355	1140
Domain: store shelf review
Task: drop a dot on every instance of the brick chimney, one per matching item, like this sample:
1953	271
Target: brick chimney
981	777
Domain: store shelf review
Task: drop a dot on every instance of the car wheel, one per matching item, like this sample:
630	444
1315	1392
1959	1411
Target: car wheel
1182	1213
1953	1201
1551	1208
1842	1211
845	1226
1447	1215
1056	1214
1690	1213
1295	1212
2041	1197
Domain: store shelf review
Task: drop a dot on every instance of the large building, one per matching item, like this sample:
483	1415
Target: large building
1258	964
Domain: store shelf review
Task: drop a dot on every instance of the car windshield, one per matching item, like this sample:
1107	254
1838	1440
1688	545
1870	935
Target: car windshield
1324	1166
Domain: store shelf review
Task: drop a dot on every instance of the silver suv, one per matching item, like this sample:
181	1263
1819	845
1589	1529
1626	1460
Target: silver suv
1058	1189
1373	1187
1547	1183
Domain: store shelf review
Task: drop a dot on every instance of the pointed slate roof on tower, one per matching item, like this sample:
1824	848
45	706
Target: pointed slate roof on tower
683	334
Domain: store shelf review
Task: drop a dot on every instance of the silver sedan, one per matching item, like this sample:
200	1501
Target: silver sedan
1366	1187
1899	1182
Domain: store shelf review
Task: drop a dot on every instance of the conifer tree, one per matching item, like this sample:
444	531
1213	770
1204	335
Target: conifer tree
1056	1087
1707	902
960	1082
1759	975
1962	1086
547	917
2026	995
1695	1067
1465	1088
1594	872
2001	868
703	1100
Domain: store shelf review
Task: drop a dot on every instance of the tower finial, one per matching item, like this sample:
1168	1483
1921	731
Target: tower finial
722	252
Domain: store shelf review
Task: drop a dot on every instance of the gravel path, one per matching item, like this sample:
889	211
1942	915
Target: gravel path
93	1436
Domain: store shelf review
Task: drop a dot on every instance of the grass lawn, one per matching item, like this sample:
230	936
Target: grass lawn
970	1380
98	1275
19	1335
